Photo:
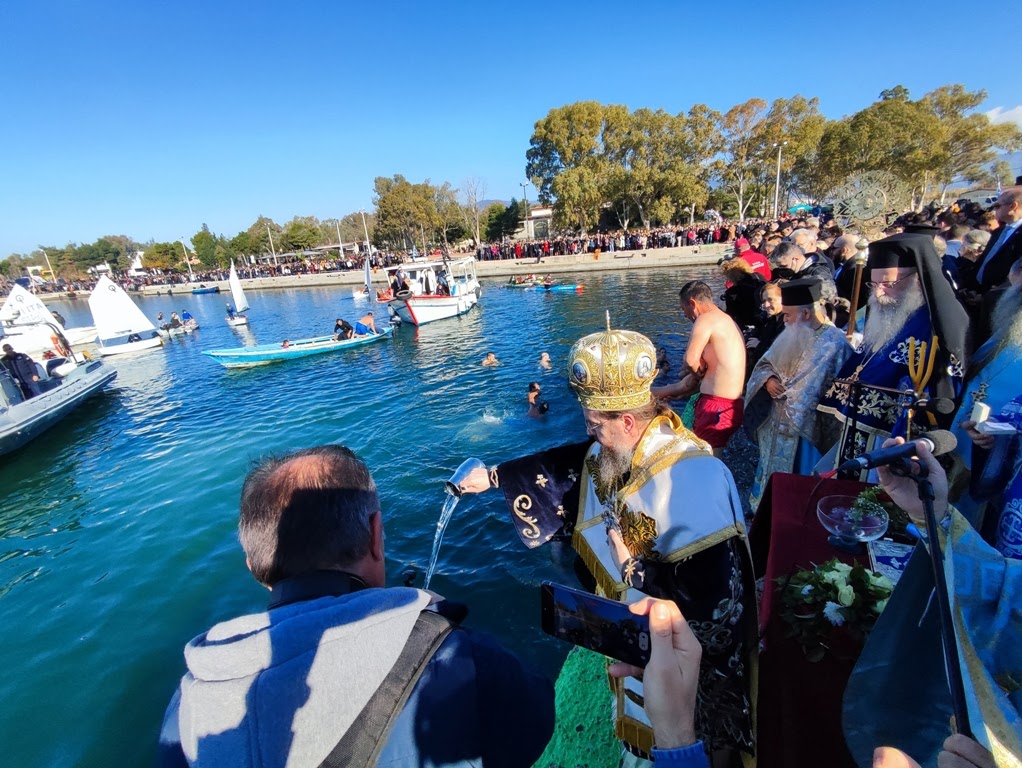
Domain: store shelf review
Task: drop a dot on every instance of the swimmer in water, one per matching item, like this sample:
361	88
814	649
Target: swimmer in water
491	359
537	407
544	360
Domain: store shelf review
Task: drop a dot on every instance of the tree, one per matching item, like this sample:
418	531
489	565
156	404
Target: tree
897	93
570	137
503	221
163	256
492	226
741	133
472	192
795	126
300	234
967	142
580	195
204	244
258	240
403	210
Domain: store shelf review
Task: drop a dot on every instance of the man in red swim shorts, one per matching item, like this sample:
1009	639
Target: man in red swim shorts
716	359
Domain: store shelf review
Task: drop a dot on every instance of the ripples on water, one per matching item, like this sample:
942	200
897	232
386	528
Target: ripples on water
117	528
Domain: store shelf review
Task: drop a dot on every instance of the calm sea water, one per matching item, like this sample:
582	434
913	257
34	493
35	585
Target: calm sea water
118	527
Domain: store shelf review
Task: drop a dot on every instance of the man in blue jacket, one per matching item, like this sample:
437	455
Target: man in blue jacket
341	670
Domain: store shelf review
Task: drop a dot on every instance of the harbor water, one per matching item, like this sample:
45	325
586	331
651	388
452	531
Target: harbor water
118	535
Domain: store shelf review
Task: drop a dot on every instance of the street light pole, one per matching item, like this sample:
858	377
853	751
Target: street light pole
525	196
777	182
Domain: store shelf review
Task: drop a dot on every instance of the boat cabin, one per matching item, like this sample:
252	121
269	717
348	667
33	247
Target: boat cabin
429	278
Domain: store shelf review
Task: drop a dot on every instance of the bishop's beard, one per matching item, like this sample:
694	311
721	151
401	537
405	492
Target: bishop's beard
788	348
614	465
887	316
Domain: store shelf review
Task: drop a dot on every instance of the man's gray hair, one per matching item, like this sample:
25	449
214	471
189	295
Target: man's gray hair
976	240
803	238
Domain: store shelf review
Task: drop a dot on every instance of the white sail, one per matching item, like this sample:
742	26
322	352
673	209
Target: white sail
369	276
240	302
23	308
115	313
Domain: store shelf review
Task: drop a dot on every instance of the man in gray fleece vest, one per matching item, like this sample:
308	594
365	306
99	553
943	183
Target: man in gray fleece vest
285	686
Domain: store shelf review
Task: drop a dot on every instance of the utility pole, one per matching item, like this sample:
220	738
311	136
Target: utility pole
777	182
525	196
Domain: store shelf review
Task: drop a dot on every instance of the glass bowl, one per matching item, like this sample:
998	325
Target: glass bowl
836	515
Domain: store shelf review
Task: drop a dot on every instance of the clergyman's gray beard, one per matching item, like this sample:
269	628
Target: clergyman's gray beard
1006	319
788	349
613	465
885	321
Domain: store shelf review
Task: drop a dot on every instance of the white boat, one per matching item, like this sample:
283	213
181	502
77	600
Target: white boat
63	384
123	327
24	314
425	300
240	302
167	331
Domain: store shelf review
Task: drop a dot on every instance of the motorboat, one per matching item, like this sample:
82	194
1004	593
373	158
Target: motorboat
24	314
434	290
170	330
62	384
206	289
264	354
237	317
123	327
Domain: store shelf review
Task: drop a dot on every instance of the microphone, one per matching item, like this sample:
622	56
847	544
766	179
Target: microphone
939	441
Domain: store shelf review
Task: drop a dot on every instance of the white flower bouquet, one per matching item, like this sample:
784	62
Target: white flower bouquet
833	607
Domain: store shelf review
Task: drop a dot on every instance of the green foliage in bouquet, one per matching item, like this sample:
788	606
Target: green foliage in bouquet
872	500
833	607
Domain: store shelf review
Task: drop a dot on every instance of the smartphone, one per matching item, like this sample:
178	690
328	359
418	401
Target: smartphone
601	625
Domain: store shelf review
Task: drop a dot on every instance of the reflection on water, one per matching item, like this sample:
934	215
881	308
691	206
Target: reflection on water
118	527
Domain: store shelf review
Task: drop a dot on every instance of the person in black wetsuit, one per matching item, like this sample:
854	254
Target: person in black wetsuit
343	330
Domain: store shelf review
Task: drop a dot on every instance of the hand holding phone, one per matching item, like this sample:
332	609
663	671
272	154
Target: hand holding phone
601	625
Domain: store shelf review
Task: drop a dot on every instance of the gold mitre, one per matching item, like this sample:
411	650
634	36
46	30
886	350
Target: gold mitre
612	370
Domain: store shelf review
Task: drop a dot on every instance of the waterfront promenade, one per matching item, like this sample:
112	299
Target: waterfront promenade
654	258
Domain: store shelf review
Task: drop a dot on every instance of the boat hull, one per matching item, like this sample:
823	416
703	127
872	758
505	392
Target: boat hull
197	291
24	421
265	354
237	320
419	310
131	347
560	288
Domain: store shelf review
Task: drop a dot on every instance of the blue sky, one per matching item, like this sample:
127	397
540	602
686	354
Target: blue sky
151	118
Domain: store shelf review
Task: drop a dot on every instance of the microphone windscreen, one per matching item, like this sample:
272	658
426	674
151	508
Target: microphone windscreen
943	405
943	441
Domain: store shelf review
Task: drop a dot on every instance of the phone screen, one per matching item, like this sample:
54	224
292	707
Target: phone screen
601	625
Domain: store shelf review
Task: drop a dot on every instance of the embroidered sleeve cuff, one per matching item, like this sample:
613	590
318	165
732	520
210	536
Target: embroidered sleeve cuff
633	573
692	756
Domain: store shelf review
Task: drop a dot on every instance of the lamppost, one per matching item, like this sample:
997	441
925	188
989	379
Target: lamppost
777	182
525	196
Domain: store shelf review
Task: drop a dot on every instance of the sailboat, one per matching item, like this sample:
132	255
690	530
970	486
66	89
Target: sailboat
26	316
237	317
118	318
367	286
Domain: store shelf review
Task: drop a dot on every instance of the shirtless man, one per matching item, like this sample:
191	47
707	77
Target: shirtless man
365	325
716	360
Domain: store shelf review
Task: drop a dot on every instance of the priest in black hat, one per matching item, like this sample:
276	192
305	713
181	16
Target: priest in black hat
914	341
786	384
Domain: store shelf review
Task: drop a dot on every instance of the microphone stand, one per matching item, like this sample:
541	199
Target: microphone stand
903	468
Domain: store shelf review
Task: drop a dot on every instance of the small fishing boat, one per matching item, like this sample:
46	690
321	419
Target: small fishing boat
435	290
62	384
237	317
123	327
206	289
169	331
24	314
264	354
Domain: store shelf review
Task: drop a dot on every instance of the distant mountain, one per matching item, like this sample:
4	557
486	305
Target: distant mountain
483	204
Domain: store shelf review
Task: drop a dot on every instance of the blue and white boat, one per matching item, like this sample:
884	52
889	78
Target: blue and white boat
62	384
264	354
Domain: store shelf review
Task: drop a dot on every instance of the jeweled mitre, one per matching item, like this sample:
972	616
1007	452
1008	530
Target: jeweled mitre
612	370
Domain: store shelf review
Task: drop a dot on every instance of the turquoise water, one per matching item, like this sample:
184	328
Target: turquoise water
117	528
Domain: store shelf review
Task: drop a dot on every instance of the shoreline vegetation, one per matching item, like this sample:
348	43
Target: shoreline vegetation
558	266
